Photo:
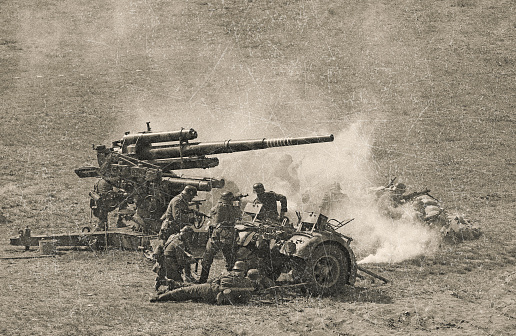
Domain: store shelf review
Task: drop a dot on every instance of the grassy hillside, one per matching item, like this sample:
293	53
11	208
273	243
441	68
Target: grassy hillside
433	81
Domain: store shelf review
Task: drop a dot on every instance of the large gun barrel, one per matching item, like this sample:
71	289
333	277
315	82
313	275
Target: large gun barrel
148	138
228	146
205	184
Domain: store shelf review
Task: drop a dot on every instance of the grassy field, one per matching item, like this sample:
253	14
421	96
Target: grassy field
430	84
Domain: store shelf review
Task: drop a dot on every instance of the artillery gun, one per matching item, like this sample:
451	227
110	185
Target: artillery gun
312	250
144	164
144	167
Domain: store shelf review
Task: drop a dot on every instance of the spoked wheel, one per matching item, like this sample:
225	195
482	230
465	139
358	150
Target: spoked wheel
327	269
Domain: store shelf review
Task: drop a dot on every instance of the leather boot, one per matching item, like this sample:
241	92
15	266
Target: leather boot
204	275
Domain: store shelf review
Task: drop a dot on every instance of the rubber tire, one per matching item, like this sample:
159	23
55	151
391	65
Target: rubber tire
327	270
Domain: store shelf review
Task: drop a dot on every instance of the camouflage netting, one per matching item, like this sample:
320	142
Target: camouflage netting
455	228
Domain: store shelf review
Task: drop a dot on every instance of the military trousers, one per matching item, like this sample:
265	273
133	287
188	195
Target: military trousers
212	248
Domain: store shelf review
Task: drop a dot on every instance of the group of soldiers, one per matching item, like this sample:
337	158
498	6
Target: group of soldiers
174	258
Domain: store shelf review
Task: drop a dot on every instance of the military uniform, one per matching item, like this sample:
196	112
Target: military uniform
239	286
389	203
222	238
176	258
103	200
269	201
176	216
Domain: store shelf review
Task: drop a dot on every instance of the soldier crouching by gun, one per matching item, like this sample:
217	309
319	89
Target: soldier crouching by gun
173	258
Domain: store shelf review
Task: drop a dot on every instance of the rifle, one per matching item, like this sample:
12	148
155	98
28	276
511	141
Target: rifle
284	286
414	194
199	214
391	182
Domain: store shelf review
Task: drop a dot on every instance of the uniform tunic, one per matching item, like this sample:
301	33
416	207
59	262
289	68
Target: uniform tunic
177	256
104	204
269	200
208	292
223	237
176	216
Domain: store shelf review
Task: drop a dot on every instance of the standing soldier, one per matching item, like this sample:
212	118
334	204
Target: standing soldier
105	197
223	236
269	201
178	213
175	259
333	199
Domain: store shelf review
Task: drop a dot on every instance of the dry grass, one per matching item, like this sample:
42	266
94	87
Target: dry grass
435	78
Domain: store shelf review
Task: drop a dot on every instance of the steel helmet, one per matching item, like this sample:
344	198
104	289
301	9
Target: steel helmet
258	188
240	266
191	190
227	196
253	274
400	187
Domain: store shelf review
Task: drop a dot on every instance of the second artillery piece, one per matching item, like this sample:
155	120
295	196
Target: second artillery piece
143	166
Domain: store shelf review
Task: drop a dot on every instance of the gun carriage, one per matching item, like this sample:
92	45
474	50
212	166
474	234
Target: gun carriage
311	250
142	168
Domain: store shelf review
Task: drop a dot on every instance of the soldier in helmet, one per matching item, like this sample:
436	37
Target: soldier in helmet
175	259
178	213
260	282
389	202
105	198
333	199
233	287
269	201
223	234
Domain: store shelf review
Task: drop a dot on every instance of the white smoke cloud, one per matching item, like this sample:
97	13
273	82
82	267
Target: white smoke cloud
232	102
312	170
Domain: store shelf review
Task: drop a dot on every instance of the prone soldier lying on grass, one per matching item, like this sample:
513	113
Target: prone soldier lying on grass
233	287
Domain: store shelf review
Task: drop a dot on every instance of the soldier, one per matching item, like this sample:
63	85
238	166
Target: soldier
178	213
333	199
389	202
233	287
104	199
175	258
223	236
269	201
260	282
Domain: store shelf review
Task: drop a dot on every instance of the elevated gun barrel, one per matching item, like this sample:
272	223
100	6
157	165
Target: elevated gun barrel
228	146
148	138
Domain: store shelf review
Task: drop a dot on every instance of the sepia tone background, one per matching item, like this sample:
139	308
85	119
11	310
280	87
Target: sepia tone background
420	90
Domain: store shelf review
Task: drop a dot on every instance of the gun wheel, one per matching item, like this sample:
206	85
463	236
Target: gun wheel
327	269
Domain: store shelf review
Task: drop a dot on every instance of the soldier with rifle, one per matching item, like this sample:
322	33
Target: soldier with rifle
390	201
222	235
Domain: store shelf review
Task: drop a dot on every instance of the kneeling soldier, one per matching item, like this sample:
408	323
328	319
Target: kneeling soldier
176	258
